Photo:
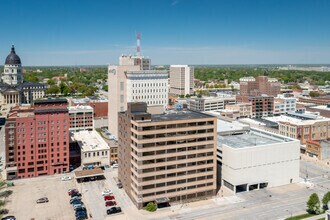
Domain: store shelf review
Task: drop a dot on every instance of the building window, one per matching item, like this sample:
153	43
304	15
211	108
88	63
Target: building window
121	86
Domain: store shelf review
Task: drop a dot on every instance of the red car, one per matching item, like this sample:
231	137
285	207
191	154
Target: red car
108	197
110	203
70	191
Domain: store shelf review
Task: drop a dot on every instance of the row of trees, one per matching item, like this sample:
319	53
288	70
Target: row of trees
314	204
77	82
235	73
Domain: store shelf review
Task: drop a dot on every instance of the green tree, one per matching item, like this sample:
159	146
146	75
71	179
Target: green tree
105	88
325	200
3	194
151	207
53	90
314	94
31	77
51	82
313	203
188	95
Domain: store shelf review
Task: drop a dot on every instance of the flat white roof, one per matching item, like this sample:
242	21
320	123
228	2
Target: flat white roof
321	107
80	107
296	121
252	138
90	141
179	65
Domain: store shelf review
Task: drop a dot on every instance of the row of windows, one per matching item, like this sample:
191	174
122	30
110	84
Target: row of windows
148	84
96	154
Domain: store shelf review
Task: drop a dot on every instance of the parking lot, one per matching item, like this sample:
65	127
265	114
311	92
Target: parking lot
22	203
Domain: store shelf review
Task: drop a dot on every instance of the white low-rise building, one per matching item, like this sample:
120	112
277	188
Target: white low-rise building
94	149
283	105
210	103
257	159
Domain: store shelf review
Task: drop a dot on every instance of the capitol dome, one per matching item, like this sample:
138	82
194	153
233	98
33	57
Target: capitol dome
12	58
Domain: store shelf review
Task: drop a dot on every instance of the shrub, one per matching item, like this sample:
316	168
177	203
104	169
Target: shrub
151	207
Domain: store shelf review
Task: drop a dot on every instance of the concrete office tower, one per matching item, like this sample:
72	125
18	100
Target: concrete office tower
133	82
37	139
181	80
166	157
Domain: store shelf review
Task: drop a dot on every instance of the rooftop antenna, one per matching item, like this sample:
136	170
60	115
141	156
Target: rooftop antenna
138	47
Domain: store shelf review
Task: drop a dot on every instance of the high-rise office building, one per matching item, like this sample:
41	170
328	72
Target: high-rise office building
181	80
166	157
37	139
134	81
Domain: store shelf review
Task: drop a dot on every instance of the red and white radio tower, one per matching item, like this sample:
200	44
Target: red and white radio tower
138	47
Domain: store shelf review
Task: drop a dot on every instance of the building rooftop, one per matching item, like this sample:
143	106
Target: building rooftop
45	101
252	138
147	72
178	115
322	107
90	141
231	127
307	118
80	107
179	65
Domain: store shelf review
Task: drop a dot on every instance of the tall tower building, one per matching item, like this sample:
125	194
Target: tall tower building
166	157
134	81
12	74
181	80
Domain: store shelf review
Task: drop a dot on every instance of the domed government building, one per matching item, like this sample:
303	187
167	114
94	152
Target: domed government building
13	89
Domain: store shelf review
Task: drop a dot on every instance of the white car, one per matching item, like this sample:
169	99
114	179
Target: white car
66	178
106	192
115	166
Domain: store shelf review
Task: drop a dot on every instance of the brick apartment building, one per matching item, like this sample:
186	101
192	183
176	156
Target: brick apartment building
37	139
262	105
166	157
259	85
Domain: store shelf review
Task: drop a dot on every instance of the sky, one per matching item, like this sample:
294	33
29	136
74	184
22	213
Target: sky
97	32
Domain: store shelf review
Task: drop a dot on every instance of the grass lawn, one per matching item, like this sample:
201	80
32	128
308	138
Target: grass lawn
298	217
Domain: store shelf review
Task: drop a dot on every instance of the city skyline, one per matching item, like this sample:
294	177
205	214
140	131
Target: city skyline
172	31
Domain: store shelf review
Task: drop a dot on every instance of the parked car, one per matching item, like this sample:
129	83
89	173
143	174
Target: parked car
110	203
76	198
113	210
106	192
75	193
81	208
78	206
66	178
109	197
81	217
115	166
72	190
120	185
9	217
42	200
81	213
